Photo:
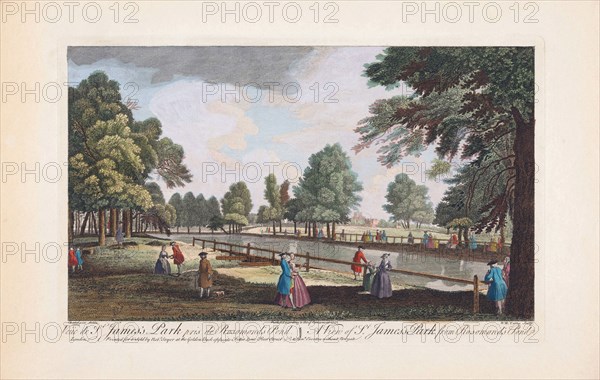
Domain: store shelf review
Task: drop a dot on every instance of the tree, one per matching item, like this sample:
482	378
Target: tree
177	202
494	90
292	211
213	209
101	127
424	216
462	225
188	214
202	217
328	188
284	196
236	205
272	194
406	198
97	179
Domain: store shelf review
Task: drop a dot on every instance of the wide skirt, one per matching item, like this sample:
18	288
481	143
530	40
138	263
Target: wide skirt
382	285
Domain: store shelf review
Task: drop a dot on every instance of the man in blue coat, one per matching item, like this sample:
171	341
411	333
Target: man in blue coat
284	295
497	288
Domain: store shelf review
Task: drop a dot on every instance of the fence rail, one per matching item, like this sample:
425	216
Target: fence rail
245	252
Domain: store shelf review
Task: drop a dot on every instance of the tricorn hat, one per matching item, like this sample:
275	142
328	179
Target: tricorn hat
203	254
385	255
282	254
492	262
361	247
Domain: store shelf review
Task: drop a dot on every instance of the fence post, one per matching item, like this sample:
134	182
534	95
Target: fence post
475	295
203	244
193	241
307	261
215	245
248	252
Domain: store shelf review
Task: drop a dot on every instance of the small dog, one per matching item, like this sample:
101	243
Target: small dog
219	293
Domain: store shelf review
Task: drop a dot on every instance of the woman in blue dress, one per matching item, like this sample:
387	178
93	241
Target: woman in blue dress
497	288
425	240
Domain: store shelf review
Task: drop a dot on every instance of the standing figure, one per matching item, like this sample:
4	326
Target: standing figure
72	260
382	285
284	297
472	242
205	273
496	286
383	236
162	265
358	257
79	257
377	236
430	241
177	257
425	240
506	271
299	290
411	238
320	234
370	270
119	236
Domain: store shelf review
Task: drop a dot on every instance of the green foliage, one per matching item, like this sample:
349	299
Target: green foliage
467	100
237	204
406	198
177	203
329	188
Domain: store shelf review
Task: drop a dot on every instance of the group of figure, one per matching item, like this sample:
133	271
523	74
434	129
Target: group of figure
291	289
204	275
429	241
498	283
376	280
163	266
379	237
75	259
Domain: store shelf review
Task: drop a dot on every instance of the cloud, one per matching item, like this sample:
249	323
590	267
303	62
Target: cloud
218	64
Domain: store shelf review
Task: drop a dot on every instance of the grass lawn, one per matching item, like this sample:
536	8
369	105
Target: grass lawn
118	284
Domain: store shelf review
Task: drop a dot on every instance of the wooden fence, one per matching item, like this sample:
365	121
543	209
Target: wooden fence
271	256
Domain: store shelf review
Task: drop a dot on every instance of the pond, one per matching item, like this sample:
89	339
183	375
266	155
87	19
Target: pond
432	264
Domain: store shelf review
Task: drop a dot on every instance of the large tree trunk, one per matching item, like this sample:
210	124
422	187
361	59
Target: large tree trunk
113	222
95	224
280	226
295	230
315	234
101	228
333	230
466	236
306	229
129	227
521	294
274	230
84	223
460	234
71	225
328	231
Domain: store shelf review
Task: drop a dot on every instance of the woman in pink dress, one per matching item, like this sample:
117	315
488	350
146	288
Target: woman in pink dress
299	289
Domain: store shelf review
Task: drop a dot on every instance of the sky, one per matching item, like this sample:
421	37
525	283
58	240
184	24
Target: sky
241	113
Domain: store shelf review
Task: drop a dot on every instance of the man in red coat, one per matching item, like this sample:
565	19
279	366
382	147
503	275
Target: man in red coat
358	256
177	257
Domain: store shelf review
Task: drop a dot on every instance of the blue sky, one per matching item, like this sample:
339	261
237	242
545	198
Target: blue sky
192	92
